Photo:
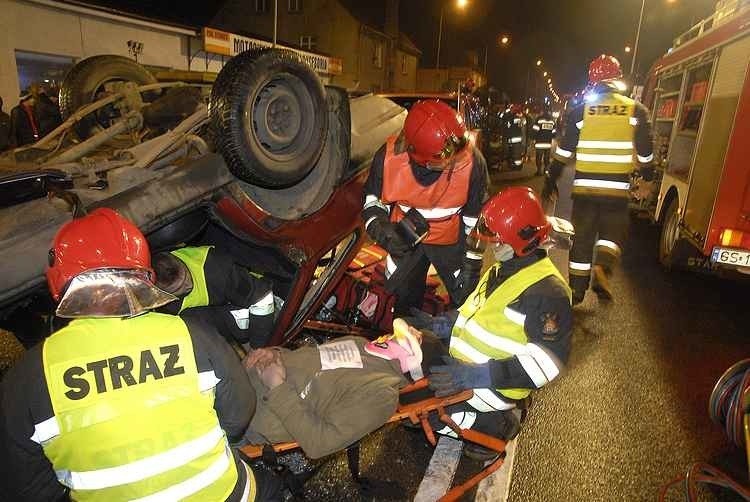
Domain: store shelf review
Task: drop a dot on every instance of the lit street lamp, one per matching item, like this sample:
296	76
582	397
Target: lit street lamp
504	40
539	62
627	49
461	4
545	73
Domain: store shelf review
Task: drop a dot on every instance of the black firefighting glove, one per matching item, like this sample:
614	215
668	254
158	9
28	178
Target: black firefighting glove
385	234
456	376
440	325
549	191
468	279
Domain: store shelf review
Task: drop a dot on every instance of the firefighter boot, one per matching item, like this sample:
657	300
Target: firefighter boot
600	283
578	297
502	424
578	285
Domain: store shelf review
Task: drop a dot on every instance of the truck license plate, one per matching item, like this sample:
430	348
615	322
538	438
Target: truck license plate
731	256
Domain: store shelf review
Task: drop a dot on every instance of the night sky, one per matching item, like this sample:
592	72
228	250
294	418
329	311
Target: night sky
566	35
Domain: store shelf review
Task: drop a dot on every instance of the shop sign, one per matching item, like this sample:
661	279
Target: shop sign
229	44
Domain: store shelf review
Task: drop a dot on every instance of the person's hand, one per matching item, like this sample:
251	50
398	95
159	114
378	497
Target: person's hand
273	374
440	325
456	376
644	189
385	234
259	358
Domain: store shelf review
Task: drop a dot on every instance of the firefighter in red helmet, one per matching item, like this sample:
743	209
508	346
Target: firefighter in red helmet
512	334
423	196
124	403
609	137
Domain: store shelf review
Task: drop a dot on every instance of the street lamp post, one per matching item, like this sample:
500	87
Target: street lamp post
440	38
460	4
637	38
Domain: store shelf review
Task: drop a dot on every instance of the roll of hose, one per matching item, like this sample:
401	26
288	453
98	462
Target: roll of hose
726	407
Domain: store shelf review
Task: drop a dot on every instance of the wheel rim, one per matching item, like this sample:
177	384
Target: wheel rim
106	115
669	236
279	117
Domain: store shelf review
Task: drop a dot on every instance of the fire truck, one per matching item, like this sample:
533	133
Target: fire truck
699	94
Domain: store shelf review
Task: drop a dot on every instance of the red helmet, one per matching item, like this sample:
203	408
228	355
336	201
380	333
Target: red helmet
604	68
434	133
515	217
101	240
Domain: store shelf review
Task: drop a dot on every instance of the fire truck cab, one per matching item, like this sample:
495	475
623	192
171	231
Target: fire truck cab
699	94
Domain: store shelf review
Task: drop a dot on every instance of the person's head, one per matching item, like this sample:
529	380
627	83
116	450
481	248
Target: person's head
604	69
27	99
172	275
512	223
434	133
100	266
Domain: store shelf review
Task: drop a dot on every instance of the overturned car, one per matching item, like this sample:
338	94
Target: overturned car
266	163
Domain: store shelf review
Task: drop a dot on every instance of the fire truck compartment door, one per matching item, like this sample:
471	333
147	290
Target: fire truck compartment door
719	120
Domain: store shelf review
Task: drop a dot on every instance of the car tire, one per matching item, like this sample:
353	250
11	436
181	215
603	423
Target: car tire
87	78
269	116
670	232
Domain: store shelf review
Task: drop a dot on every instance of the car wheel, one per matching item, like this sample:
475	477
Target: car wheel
269	116
670	232
87	81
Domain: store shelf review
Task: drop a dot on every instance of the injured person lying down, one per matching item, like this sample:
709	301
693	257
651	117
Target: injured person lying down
328	397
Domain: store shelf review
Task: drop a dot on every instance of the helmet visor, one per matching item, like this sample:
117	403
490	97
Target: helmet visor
483	233
483	239
111	293
453	144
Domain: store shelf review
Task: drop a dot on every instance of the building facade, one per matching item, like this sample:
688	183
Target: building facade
373	59
41	39
447	79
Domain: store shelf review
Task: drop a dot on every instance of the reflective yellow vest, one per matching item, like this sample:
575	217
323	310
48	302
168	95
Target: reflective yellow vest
487	329
605	151
134	417
194	259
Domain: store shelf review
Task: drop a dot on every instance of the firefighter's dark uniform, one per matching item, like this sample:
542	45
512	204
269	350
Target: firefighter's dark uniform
609	136
519	319
514	138
239	303
450	201
121	409
544	132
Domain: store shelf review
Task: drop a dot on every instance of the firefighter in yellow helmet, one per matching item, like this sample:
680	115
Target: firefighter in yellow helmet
124	403
609	137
